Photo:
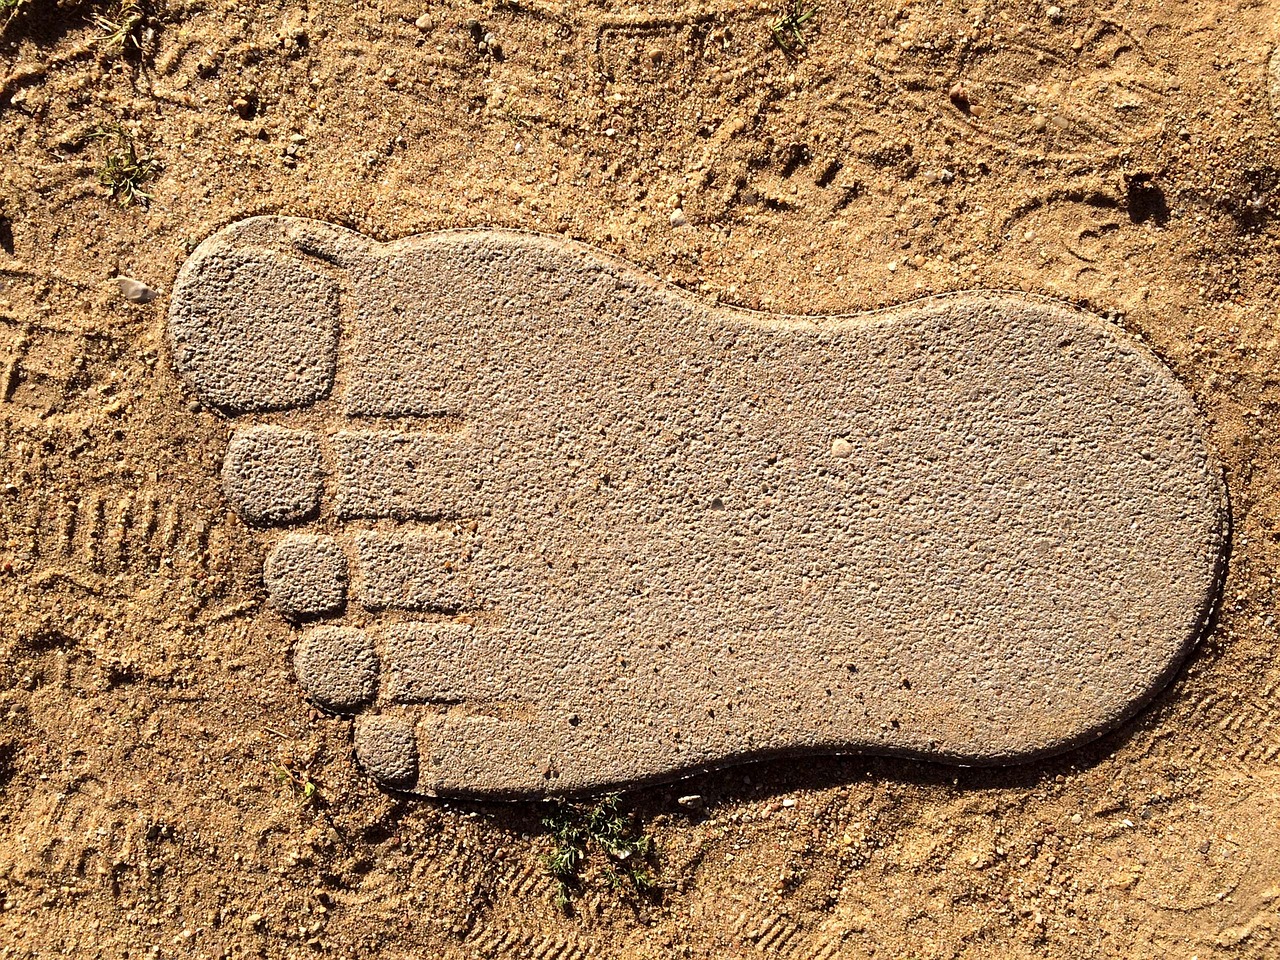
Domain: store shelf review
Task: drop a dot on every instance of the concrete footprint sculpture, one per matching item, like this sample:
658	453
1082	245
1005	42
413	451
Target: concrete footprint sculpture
545	525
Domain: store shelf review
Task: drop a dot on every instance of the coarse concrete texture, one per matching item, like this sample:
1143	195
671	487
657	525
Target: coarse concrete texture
257	355
306	576
273	475
415	571
338	666
387	748
620	534
1273	81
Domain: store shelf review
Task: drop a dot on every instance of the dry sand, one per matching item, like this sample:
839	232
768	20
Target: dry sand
1121	158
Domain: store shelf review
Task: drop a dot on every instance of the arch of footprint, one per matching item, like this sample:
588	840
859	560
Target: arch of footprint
546	525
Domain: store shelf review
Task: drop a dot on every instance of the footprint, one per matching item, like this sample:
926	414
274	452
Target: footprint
1070	89
546	525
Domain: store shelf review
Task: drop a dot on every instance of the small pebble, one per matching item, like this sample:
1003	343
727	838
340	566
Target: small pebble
135	291
423	23
519	149
678	219
789	802
693	801
841	448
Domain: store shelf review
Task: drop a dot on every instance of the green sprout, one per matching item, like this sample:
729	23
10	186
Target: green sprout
578	828
300	783
789	29
8	10
122	30
125	170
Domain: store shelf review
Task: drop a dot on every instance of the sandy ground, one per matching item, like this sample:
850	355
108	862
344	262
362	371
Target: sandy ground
1124	158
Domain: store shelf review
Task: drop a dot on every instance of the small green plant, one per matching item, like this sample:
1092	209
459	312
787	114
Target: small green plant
125	170
8	10
578	828
299	782
122	29
789	28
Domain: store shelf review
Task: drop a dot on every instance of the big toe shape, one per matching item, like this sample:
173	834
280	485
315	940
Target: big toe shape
600	533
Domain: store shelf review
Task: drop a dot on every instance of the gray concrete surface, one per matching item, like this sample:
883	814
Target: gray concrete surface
306	576
387	749
339	666
402	570
273	475
250	354
620	534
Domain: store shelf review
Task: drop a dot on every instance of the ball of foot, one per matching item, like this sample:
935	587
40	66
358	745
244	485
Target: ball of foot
306	576
273	475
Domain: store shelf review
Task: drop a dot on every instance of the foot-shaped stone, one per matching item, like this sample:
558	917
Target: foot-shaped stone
567	528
